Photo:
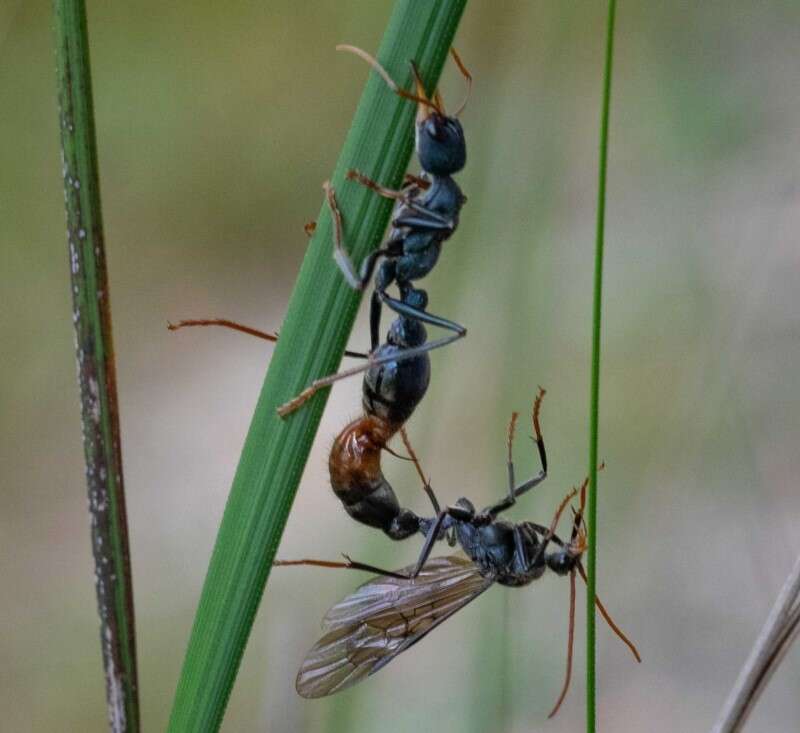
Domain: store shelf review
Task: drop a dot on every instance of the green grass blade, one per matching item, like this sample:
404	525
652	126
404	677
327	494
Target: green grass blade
591	512
318	321
96	373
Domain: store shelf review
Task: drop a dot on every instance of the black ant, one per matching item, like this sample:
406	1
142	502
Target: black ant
390	613
425	215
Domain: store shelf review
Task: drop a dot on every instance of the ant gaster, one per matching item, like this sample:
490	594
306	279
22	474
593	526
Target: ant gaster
391	391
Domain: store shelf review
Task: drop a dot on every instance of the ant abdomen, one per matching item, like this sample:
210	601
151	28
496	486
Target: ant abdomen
393	390
359	483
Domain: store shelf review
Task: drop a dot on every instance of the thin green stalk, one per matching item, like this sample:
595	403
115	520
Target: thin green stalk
591	513
91	317
318	322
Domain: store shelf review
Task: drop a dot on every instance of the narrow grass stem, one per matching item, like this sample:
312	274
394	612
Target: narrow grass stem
313	336
591	512
91	317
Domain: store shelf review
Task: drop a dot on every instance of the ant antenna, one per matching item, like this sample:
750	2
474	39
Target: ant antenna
570	645
579	520
467	76
577	544
561	507
571	634
607	617
420	97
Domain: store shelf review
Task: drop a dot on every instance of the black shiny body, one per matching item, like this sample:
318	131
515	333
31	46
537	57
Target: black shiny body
426	213
421	222
392	389
512	554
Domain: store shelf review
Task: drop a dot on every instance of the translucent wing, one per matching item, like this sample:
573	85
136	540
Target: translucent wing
384	617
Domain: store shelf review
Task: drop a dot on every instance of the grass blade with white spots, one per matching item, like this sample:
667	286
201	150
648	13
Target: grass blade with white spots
96	372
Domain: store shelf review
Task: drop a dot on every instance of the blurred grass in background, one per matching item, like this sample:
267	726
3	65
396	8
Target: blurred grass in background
215	129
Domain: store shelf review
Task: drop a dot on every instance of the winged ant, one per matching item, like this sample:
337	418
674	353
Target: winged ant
390	613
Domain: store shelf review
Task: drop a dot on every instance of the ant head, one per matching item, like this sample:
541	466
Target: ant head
568	557
441	147
440	139
562	561
440	143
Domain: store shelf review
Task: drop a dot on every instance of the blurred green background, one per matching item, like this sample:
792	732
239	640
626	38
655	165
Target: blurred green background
216	125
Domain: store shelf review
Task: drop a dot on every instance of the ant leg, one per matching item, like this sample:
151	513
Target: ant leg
235	326
375	319
409	311
387	274
456	512
515	492
225	323
411	180
289	407
570	645
545	531
427	488
357	281
426	219
349	564
388	193
344	263
520	549
495	509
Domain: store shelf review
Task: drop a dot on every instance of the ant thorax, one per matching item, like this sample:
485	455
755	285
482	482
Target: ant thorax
493	548
444	197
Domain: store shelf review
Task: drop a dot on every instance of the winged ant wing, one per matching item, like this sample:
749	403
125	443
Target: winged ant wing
383	618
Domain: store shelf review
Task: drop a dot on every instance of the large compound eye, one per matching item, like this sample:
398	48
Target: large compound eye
434	128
